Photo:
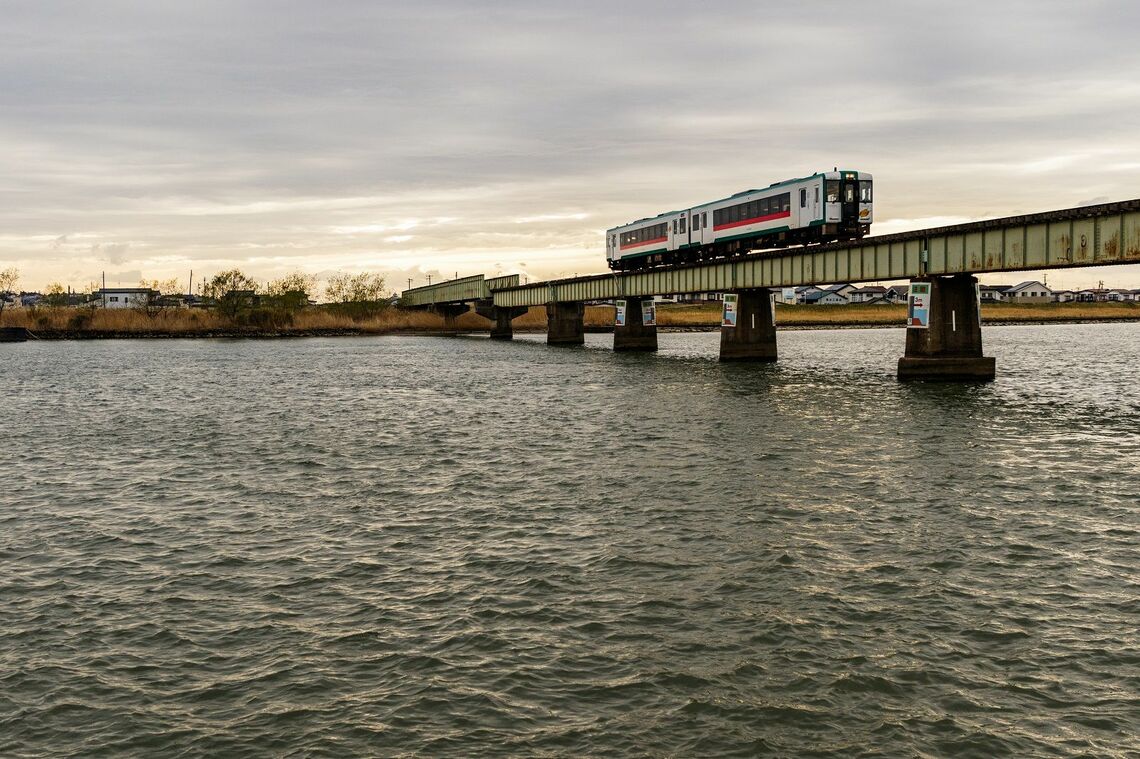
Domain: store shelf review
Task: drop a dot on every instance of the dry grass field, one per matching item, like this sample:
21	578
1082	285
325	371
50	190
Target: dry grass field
64	322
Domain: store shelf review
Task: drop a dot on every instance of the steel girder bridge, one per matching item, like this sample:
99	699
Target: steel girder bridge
948	346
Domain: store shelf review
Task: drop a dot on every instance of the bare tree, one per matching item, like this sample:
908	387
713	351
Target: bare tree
232	292
157	298
8	279
358	295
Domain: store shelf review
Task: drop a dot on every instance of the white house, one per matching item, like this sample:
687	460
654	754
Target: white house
843	289
827	298
867	294
1029	292
993	293
807	293
123	297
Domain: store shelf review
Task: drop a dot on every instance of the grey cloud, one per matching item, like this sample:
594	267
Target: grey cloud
158	123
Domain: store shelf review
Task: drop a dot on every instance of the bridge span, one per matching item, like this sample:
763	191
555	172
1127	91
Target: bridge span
943	342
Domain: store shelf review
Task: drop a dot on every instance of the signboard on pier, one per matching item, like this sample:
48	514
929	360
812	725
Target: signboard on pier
648	313
918	306
728	317
619	315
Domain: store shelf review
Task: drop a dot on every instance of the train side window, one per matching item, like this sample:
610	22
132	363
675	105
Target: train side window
696	221
831	189
683	230
817	193
704	219
803	197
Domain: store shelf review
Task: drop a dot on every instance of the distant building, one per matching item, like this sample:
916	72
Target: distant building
867	294
123	297
804	292
827	298
897	293
993	293
1029	292
843	289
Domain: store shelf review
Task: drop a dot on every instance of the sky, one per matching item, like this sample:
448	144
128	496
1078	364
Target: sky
152	139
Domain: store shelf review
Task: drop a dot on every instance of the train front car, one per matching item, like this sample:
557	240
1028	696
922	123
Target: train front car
848	198
823	207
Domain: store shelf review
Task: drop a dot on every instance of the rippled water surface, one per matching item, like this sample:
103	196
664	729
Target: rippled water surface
451	547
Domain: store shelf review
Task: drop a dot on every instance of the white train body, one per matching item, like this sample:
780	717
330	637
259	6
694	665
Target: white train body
832	205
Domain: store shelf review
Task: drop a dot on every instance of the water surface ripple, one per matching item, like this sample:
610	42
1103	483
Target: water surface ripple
429	547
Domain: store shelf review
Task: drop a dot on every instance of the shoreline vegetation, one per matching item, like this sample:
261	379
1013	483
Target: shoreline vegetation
70	323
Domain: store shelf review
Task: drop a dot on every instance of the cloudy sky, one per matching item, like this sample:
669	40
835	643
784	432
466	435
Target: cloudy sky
152	138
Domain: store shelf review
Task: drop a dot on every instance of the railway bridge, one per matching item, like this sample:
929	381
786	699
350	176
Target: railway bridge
944	338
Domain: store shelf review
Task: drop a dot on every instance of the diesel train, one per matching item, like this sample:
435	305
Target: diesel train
827	206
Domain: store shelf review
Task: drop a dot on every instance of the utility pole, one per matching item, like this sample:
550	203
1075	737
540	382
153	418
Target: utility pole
429	280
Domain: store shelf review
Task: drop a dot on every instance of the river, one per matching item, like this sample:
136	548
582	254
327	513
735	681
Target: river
415	546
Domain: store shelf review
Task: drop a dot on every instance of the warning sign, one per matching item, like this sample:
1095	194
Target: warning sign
918	306
728	318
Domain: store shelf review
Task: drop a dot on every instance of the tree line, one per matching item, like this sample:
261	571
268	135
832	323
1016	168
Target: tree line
241	298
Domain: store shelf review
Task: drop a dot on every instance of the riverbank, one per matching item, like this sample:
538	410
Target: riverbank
71	324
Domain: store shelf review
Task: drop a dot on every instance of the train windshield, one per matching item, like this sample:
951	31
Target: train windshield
831	189
865	191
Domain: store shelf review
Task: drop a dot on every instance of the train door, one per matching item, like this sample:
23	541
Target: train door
698	227
808	201
849	198
679	232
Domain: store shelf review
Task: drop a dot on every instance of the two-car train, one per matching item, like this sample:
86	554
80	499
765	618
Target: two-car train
827	206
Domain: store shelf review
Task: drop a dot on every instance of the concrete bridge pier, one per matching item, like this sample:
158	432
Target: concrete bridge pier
950	347
753	338
450	312
636	334
501	318
565	323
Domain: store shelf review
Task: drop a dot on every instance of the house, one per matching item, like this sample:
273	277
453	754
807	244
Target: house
804	292
1117	295
843	289
866	294
993	293
897	293
827	298
1029	292
1092	295
123	297
1064	296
